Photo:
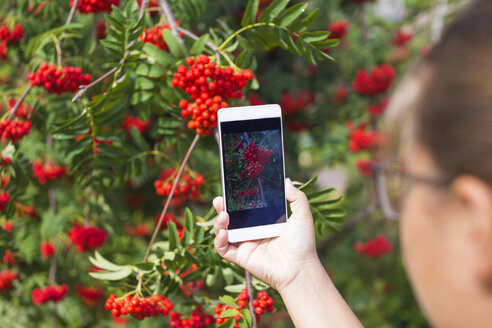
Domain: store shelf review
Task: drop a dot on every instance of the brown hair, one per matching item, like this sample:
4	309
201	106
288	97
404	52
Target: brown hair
445	103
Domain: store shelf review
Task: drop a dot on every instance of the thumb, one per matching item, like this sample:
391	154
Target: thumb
299	203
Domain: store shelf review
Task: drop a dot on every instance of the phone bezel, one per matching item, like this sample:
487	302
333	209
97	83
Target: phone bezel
231	114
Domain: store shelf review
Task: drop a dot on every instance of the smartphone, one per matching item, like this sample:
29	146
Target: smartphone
253	171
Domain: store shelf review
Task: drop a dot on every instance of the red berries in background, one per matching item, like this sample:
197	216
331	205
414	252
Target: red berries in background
94	6
8	226
13	35
402	37
137	122
340	96
360	139
375	247
375	82
10	257
169	217
86	238
47	249
365	167
47	171
197	319
211	87
139	307
68	79
90	295
4	199
188	188
6	279
49	294
14	130
262	303
295	101
23	111
378	108
154	35
338	29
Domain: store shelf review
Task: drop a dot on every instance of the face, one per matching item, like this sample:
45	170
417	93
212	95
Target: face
439	260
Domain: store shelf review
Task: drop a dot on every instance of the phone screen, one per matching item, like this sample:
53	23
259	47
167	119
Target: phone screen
253	172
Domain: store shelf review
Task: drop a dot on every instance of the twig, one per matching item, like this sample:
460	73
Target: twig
249	288
171	193
69	20
190	34
143	5
84	88
19	102
170	19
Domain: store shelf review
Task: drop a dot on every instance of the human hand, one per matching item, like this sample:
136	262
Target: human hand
276	261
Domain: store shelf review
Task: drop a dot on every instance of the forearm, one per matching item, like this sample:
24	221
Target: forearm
313	301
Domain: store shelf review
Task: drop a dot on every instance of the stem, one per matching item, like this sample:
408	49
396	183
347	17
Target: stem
249	288
84	88
69	20
241	30
196	37
19	102
143	5
52	273
171	193
170	19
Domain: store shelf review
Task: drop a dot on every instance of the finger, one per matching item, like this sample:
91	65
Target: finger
218	203
221	244
221	222
299	203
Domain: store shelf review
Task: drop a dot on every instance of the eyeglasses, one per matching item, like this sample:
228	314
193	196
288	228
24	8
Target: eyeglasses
393	182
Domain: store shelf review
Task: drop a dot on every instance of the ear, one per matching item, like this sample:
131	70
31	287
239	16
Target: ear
475	198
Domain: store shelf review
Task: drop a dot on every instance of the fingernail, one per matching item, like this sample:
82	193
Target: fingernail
289	181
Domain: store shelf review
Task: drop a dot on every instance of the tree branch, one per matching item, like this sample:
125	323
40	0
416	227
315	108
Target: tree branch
249	288
170	19
19	102
170	197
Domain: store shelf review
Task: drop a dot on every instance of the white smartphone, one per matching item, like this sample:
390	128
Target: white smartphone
253	171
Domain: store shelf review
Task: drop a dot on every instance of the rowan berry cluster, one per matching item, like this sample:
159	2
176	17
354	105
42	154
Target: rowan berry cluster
47	249
249	192
47	171
10	257
338	29
197	319
261	303
139	307
189	287
137	122
94	6
340	96
86	238
6	278
4	161
365	167
14	35
68	79
49	293
23	111
154	35
4	199
168	217
188	188
90	295
8	226
375	247
378	108
295	101
402	37
241	300
257	158
14	130
375	82
360	139
210	86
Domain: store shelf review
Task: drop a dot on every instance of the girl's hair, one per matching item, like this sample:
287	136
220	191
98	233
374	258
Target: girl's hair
445	103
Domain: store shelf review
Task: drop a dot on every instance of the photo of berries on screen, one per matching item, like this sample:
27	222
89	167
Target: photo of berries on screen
253	169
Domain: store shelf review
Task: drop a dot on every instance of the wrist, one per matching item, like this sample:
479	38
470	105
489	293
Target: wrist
310	271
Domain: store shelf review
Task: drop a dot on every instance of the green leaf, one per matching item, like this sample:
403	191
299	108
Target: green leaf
234	288
291	14
188	220
273	10
246	314
161	57
34	43
305	22
310	37
229	313
153	71
199	45
228	275
227	324
173	235
308	184
142	144
111	275
250	12
175	47
145	266
100	262
227	300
